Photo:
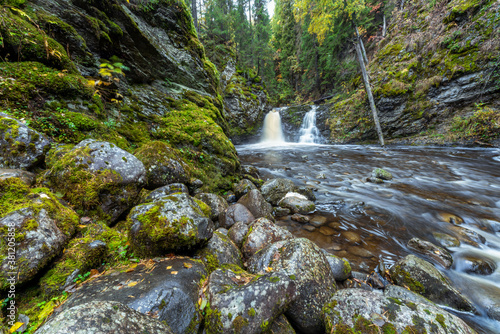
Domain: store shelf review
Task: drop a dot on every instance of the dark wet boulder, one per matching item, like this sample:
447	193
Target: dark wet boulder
361	311
98	178
297	203
220	250
256	204
341	268
250	170
243	303
35	224
237	233
262	232
162	165
423	278
243	188
234	214
446	240
474	264
20	146
172	223
216	203
104	317
303	261
307	192
166	191
280	212
382	174
166	289
275	189
281	325
436	254
27	177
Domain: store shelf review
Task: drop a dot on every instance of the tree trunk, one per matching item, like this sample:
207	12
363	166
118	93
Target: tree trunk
384	28
369	94
194	11
365	58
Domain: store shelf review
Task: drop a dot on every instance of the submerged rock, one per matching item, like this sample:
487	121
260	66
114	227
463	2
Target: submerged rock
446	240
256	204
275	189
474	264
262	232
297	203
437	254
234	214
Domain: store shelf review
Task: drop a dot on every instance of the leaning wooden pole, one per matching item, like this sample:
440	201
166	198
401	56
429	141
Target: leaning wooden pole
369	93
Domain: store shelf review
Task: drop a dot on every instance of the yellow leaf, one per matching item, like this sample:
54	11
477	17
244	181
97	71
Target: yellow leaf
169	267
60	75
174	272
131	268
187	265
269	269
16	326
131	284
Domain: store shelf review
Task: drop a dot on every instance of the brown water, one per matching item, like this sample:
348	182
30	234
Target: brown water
431	189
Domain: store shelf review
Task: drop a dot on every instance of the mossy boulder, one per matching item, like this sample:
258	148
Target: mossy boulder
219	251
297	203
27	177
256	204
162	164
216	203
172	223
104	317
98	179
166	191
243	187
275	189
360	311
304	262
20	146
35	224
262	232
341	268
382	174
239	302
423	278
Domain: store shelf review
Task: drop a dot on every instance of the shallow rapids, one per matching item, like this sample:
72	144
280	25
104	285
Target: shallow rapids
448	196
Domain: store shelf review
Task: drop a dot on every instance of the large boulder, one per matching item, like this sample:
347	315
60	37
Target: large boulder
243	303
297	203
26	177
234	214
166	289
243	187
361	311
256	204
341	268
220	250
262	232
275	189
172	223
423	278
303	261
165	191
102	317
36	225
435	253
98	178
238	232
20	146
162	165
216	203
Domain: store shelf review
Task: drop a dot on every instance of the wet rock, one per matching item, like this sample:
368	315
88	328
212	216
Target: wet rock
165	289
237	233
280	325
325	230
382	174
27	177
446	240
250	170
474	264
275	189
376	281
220	250
230	197
166	191
396	291
469	236
162	165
375	180
20	146
234	214
256	204
172	223
262	232
36	225
98	178
493	311
309	228
421	277
360	251
341	268
351	236
216	203
243	188
243	303
307	192
297	203
104	317
451	218
300	218
303	261
436	254
357	310
280	212
317	221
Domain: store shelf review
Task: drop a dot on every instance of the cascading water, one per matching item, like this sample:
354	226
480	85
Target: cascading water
309	133
272	132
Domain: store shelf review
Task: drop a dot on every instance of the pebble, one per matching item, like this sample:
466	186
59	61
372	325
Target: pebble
351	236
309	228
318	221
300	218
360	251
326	230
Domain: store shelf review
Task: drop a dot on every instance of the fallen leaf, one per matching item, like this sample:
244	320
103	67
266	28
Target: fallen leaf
269	269
174	272
131	268
169	267
16	326
131	284
187	265
203	304
94	272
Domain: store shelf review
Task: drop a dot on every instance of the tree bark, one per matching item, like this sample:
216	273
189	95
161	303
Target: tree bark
369	94
194	11
360	42
384	28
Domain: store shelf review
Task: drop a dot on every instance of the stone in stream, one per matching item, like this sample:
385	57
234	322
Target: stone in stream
300	218
474	264
243	188
309	228
396	291
280	212
262	232
275	189
167	289
304	262
360	251
317	221
307	191
351	236
297	203
436	254
220	250
103	317
240	302
446	240
250	170
256	204
234	214
216	203
361	311
325	230
423	278
450	218
237	233
382	174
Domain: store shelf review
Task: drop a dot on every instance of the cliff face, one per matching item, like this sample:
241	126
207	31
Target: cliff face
435	77
123	71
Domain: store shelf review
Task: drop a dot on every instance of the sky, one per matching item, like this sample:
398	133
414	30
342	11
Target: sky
270	8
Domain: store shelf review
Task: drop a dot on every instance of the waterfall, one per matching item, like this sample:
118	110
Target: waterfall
272	128
308	132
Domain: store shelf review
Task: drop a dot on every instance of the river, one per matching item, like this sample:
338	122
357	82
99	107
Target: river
442	195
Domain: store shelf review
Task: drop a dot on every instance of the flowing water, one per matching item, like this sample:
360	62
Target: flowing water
438	194
272	131
309	133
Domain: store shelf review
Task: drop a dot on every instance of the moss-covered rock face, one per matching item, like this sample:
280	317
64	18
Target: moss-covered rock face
438	60
360	311
219	251
216	203
35	224
98	179
20	146
172	223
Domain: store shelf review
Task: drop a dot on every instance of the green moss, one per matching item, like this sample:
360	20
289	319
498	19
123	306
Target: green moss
207	212
239	324
440	319
251	312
